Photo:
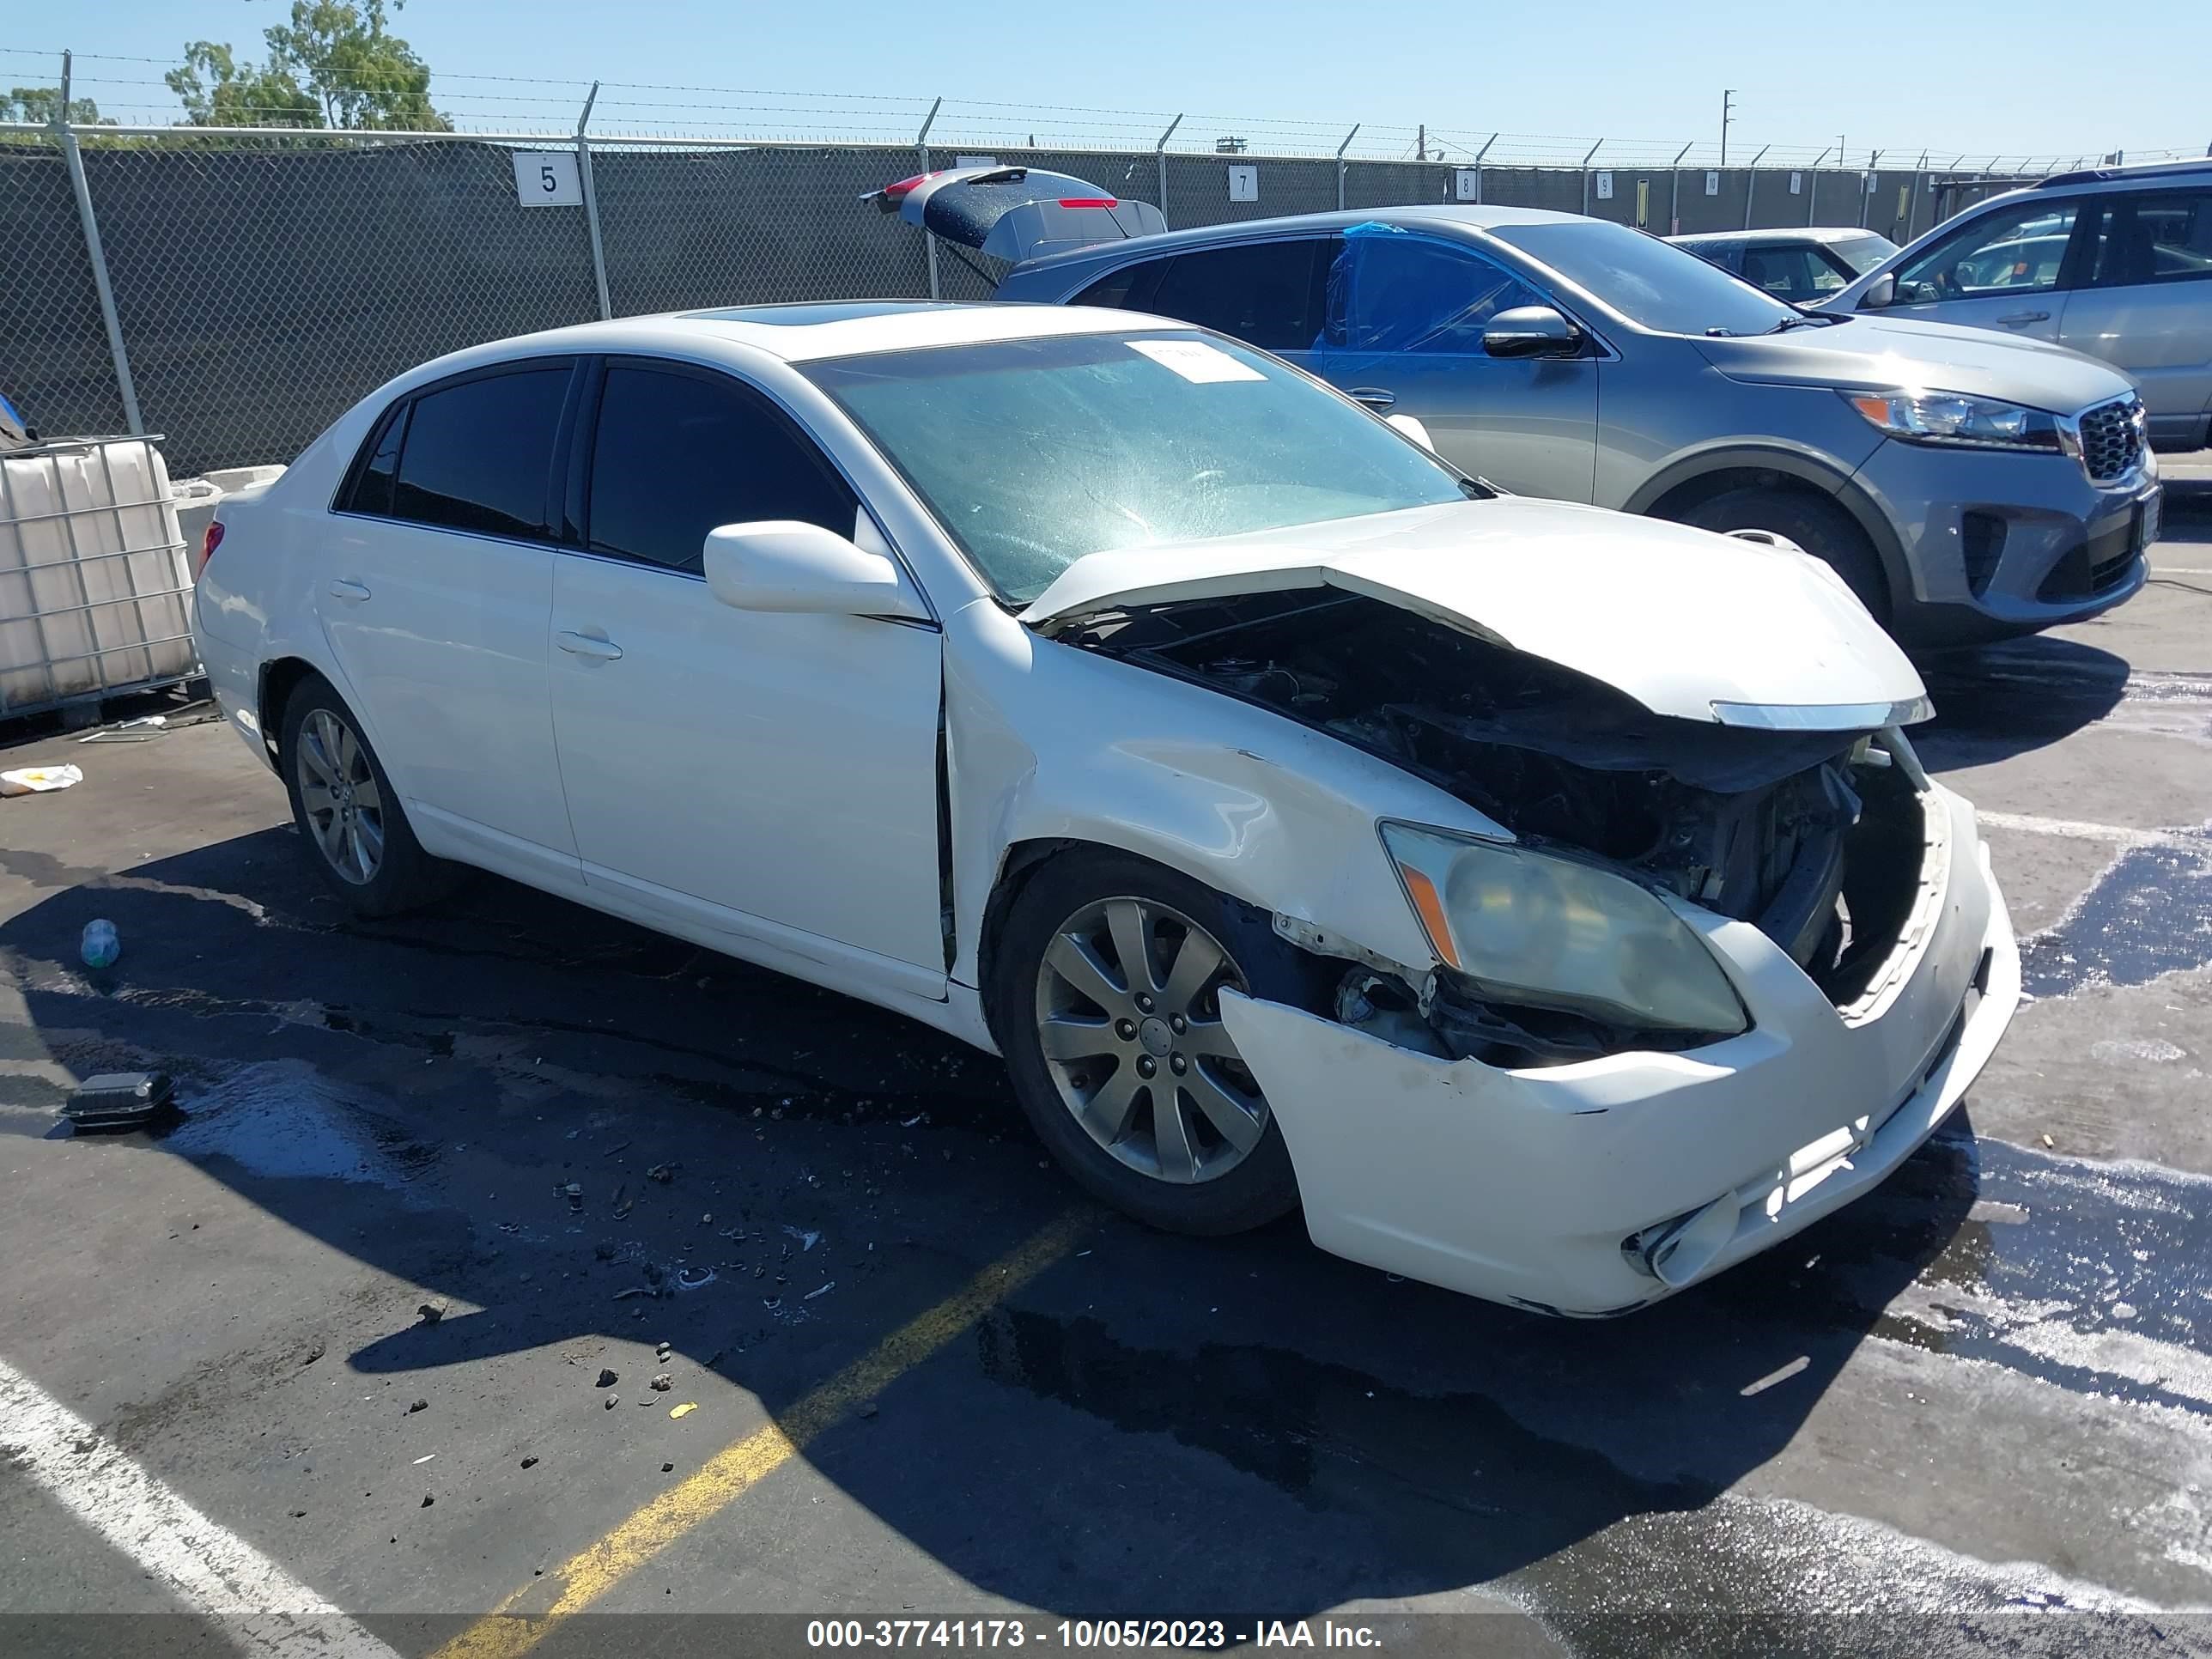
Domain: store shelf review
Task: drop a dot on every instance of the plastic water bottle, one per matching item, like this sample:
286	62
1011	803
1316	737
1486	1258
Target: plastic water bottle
101	945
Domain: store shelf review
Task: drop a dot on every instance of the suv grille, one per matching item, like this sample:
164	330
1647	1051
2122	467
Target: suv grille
2111	439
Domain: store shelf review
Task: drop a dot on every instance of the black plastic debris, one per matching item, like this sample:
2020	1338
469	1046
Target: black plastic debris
120	1100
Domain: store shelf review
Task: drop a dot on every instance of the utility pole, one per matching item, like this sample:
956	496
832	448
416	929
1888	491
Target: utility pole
1727	114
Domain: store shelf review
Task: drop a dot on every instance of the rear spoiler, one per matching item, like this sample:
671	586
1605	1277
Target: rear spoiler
1015	213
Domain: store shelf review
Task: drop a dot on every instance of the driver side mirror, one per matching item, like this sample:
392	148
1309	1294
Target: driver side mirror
1880	293
782	566
1530	332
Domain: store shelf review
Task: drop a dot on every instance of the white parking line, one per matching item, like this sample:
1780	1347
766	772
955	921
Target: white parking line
263	1608
2080	830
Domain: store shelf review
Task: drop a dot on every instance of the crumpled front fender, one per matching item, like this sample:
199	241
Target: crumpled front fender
1049	742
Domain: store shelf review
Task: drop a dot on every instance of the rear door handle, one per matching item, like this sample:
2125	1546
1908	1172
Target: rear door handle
2020	319
1374	397
351	592
588	645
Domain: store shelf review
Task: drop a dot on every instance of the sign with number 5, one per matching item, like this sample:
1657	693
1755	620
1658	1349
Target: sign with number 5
547	178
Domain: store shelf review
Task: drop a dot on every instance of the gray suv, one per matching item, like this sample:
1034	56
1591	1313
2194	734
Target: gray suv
1966	487
2114	261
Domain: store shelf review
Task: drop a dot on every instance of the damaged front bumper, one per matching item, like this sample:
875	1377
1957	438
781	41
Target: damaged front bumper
1597	1186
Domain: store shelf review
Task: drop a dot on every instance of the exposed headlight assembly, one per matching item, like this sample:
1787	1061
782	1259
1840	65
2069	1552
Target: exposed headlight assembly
1948	417
1530	927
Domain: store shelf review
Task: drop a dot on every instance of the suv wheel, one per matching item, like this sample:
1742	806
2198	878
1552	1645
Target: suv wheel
1822	528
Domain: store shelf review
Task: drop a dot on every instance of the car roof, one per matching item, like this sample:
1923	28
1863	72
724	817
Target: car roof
806	333
1783	236
1473	216
2136	172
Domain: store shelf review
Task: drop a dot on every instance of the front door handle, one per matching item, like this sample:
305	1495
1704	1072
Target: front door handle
351	592
589	645
1375	397
2022	318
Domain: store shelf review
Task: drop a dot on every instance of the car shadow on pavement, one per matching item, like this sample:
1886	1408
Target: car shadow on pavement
421	1094
2000	700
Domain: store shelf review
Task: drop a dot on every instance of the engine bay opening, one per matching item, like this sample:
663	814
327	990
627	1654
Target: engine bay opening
1815	837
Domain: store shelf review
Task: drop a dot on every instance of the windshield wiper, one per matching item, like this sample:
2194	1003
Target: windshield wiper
1807	320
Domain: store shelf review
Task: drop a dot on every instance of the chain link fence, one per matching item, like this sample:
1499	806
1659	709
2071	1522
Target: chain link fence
262	281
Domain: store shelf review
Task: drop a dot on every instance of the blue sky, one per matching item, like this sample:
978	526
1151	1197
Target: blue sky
2032	76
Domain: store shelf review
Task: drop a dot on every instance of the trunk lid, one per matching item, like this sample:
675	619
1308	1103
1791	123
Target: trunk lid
1016	213
1690	624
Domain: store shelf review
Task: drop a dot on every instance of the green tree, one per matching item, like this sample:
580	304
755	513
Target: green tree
218	91
38	104
334	64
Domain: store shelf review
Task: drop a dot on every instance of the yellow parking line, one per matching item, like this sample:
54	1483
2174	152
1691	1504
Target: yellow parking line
584	1578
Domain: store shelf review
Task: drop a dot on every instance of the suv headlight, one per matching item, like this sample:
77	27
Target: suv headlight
1948	417
1531	927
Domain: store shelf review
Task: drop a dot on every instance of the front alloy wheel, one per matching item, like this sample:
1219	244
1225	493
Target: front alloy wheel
1129	1020
339	800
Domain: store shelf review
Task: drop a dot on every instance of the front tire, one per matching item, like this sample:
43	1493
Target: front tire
1105	998
1821	528
352	828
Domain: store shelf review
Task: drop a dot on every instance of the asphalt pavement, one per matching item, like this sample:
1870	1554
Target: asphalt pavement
364	1344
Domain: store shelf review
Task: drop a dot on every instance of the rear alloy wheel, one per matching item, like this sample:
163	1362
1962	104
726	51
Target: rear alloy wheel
353	828
340	806
1107	986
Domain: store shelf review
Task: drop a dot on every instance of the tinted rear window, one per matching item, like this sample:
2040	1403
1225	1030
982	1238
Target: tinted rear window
370	488
1269	294
478	454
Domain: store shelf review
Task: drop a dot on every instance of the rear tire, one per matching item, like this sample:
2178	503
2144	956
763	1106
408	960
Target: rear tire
1142	1073
352	828
1821	528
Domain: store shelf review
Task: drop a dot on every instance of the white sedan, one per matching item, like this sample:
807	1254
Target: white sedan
1546	901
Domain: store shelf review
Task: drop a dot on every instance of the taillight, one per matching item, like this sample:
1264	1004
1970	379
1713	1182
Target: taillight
898	190
208	543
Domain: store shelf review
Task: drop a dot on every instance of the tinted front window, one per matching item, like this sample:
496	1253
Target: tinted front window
2014	250
1394	292
678	454
1653	283
477	455
1265	294
1032	453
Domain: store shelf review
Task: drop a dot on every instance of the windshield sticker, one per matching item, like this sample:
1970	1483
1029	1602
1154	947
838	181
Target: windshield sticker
1195	361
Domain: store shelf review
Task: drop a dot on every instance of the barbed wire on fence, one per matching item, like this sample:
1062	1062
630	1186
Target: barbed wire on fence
487	103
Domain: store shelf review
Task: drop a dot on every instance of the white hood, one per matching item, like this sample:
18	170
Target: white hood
1689	623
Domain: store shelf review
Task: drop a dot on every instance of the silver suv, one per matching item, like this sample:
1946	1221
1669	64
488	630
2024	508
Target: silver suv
2114	261
1966	487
